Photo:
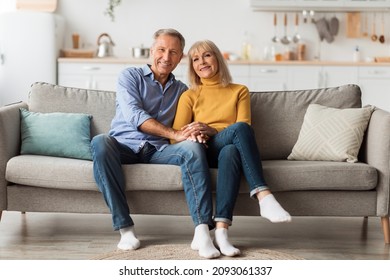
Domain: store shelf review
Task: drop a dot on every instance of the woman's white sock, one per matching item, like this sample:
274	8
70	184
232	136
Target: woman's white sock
221	238
272	210
128	240
203	244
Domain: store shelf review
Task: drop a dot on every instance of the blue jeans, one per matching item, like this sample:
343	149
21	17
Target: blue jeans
234	151
109	155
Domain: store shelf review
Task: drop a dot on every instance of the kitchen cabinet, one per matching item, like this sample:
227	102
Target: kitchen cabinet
375	85
320	5
102	76
304	77
309	77
267	77
373	80
333	76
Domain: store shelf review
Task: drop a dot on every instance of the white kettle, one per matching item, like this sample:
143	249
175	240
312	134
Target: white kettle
105	47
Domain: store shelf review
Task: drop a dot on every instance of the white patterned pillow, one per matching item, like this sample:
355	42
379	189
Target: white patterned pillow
331	134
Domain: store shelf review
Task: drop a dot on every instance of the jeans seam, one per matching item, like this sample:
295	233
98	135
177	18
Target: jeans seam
192	184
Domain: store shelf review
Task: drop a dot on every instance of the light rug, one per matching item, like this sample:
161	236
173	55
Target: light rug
184	252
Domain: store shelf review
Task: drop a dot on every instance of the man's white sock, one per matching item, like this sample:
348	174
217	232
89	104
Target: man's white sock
128	240
203	244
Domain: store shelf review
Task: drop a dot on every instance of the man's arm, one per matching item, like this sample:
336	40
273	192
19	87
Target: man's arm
153	127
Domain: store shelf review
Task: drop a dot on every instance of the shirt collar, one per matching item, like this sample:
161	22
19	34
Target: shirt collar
148	72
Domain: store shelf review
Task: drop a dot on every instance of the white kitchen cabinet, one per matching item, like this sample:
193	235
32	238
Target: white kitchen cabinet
240	74
309	77
102	76
333	76
375	85
304	77
267	77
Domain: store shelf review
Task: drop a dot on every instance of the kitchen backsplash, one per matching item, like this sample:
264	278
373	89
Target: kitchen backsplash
229	23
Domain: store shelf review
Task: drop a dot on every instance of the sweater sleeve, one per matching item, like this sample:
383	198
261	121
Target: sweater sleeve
184	114
244	106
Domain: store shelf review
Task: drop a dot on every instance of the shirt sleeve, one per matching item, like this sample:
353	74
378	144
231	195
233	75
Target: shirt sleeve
129	98
244	106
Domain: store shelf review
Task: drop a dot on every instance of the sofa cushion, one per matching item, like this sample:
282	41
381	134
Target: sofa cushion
331	134
74	174
47	98
281	175
277	116
56	134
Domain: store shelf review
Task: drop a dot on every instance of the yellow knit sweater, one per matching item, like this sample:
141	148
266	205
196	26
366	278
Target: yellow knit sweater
214	105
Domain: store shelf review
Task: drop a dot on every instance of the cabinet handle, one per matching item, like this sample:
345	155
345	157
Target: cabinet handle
268	71
91	68
377	72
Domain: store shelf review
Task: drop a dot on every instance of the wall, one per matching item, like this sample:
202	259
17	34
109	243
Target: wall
223	21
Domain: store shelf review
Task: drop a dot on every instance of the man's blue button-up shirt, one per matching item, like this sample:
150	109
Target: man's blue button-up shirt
140	97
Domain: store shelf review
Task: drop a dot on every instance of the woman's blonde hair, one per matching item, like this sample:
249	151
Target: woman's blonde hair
206	45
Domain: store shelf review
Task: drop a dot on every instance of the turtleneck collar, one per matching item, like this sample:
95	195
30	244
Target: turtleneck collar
213	81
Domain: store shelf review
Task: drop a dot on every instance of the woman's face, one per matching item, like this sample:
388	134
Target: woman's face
205	64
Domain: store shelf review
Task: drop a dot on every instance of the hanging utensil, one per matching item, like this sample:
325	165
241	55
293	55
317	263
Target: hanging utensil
285	39
275	39
365	26
334	25
304	14
312	13
374	37
296	37
382	36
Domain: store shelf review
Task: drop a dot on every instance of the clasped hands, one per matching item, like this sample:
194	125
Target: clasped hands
198	132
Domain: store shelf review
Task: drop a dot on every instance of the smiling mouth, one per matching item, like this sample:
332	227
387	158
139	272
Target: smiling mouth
204	68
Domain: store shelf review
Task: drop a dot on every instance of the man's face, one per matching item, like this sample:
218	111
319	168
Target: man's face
166	54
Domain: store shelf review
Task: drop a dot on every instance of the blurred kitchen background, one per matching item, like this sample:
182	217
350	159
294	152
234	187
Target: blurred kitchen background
229	23
326	34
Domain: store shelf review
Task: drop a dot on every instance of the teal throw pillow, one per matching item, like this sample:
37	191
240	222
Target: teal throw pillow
56	134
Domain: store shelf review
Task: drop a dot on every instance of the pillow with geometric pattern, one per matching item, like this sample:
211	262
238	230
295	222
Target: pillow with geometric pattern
331	134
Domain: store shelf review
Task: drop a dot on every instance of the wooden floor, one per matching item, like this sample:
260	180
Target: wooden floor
45	236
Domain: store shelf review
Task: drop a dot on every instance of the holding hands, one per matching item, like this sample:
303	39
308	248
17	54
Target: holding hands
198	132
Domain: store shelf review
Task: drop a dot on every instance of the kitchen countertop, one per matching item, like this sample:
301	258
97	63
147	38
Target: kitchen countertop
126	60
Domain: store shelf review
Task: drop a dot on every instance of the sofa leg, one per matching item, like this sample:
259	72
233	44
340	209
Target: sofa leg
386	229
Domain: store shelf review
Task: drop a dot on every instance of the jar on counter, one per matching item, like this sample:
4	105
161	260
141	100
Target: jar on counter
289	53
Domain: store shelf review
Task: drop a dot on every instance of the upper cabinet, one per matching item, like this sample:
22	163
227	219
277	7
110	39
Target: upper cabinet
320	5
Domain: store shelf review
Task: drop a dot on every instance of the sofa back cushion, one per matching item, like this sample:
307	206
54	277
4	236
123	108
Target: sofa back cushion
48	98
277	116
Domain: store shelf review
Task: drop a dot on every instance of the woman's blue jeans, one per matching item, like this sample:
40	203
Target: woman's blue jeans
109	155
234	151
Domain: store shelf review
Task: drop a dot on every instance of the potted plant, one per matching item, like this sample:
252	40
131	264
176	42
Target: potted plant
112	4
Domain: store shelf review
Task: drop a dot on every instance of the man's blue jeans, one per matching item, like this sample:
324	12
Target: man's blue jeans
234	151
109	155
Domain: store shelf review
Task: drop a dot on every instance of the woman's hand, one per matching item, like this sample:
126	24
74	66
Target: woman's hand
198	132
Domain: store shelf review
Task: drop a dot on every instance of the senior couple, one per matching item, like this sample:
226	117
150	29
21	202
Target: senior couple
159	120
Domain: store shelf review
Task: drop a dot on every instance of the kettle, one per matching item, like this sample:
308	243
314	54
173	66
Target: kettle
105	47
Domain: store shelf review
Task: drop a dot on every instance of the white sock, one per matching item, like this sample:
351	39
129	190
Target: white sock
221	238
128	240
272	210
203	244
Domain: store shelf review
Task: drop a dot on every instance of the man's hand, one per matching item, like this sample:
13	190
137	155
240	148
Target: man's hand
198	132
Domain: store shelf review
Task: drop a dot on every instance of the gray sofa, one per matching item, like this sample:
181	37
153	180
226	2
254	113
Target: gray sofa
35	183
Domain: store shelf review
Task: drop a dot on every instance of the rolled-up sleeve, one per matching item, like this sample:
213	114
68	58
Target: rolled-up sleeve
129	98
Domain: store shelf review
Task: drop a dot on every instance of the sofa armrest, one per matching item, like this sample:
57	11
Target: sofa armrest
9	143
377	154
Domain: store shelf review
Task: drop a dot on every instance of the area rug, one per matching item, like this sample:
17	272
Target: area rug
184	252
